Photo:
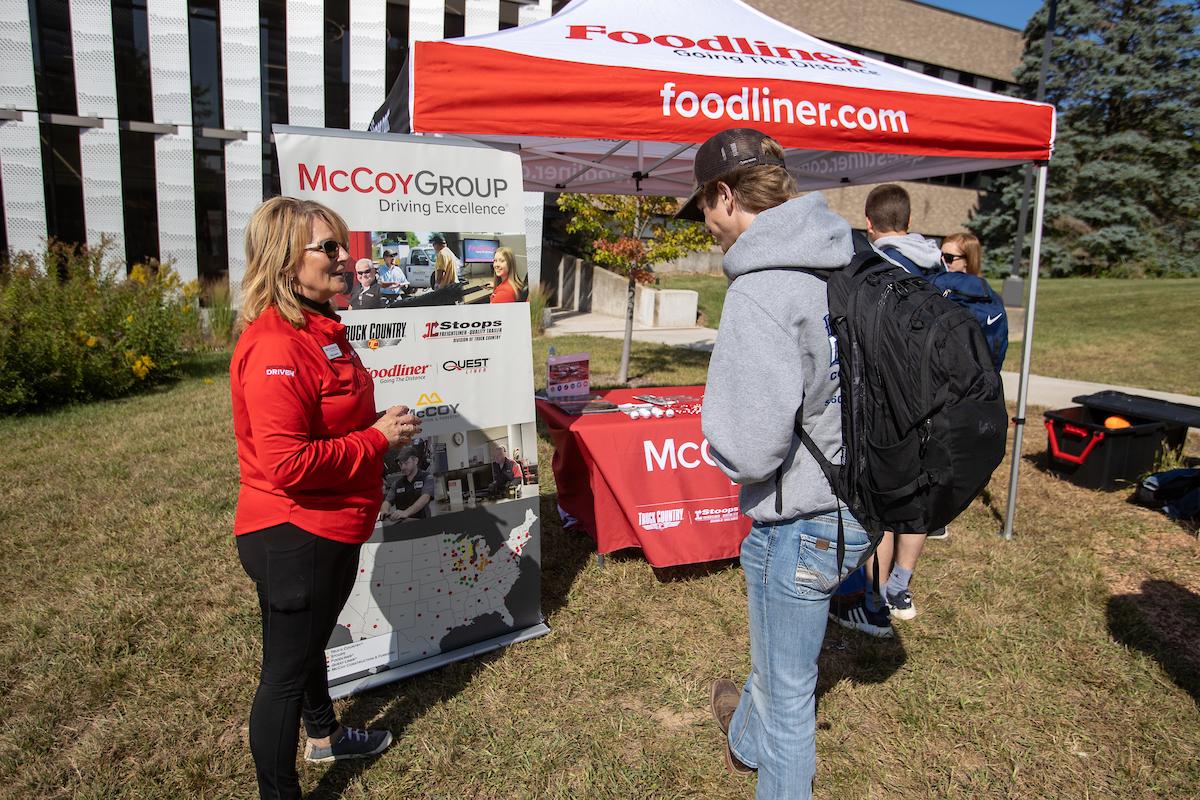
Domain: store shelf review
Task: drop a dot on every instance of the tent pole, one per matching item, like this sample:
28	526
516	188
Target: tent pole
1039	216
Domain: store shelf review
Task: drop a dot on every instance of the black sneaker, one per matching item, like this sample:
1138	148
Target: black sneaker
350	743
900	605
857	617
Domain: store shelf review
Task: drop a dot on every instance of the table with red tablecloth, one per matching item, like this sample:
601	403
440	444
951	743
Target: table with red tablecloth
646	483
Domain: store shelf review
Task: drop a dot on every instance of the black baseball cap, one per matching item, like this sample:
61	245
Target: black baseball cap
721	155
437	238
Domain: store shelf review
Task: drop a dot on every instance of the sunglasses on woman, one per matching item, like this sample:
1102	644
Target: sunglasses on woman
330	247
950	258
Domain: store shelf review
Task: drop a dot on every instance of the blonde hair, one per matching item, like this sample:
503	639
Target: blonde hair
278	232
510	258
755	188
970	248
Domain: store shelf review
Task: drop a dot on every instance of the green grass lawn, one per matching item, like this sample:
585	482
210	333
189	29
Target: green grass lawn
1142	333
1063	664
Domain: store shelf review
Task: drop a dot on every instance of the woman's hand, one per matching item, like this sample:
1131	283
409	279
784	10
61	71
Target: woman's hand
398	425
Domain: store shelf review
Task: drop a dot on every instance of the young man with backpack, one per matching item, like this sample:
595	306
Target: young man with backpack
774	367
889	214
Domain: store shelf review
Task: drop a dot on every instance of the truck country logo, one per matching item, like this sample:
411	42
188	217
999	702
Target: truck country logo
376	334
480	330
475	365
660	520
398	373
430	405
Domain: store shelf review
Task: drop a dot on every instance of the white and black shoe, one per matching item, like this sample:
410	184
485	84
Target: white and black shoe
900	605
857	617
350	743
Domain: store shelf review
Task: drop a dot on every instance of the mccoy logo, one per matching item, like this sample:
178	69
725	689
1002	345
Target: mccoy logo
398	373
688	455
737	49
365	180
714	515
660	520
463	331
466	365
430	404
376	334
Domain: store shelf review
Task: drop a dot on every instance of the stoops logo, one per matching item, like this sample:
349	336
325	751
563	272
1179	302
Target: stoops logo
430	405
376	334
470	365
660	520
715	515
464	331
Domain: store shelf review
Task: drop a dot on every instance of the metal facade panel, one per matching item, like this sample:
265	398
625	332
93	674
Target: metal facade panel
243	193
483	16
306	62
17	88
368	60
534	13
534	211
241	84
103	202
170	61
95	67
426	21
21	172
175	178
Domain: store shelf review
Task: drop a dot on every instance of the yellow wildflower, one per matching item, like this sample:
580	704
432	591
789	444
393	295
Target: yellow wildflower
91	341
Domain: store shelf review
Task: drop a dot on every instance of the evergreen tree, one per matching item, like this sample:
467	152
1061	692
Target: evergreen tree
1123	193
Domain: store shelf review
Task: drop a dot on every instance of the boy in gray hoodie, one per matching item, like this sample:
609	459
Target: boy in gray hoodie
775	356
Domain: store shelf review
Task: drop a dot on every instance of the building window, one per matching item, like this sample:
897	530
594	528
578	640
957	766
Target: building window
337	63
204	45
131	50
212	244
140	196
454	24
509	14
53	58
272	34
63	181
397	43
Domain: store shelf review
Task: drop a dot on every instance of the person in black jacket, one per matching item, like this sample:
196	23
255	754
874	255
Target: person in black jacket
367	293
502	472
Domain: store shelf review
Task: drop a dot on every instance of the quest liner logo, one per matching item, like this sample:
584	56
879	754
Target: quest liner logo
479	330
430	405
660	520
468	365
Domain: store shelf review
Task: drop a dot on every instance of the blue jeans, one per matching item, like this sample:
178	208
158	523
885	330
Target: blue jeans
791	571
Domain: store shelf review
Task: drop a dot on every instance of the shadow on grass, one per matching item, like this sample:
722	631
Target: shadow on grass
395	706
1161	621
856	657
207	364
646	365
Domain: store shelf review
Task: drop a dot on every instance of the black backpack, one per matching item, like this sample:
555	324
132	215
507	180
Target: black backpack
923	417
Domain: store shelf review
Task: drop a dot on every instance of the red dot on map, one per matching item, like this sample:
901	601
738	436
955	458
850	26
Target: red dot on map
374	626
362	570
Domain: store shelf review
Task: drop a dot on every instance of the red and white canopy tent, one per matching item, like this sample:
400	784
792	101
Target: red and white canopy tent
613	96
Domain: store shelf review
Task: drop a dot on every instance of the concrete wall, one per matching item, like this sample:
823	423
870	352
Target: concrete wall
908	29
936	210
706	262
653	308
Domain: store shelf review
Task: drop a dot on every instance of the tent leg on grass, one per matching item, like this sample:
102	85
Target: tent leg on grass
1026	350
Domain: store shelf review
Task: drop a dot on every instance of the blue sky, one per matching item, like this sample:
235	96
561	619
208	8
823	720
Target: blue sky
1014	13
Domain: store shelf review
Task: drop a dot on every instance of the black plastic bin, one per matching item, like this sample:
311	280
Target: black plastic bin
1089	454
1176	416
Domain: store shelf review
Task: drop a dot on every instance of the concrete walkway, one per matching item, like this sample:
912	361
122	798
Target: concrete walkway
1045	392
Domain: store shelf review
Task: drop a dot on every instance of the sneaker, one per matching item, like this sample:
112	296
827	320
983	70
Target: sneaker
723	701
351	743
940	533
857	617
900	605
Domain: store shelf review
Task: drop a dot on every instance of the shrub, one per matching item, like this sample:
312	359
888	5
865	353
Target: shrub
75	328
220	313
538	297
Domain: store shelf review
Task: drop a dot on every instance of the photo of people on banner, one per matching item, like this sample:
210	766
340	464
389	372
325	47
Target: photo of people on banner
439	475
403	269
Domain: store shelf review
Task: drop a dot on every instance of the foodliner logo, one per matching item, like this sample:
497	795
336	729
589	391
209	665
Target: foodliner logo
738	45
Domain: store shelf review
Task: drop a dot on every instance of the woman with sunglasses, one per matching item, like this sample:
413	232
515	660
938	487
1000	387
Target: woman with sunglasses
310	450
961	253
963	282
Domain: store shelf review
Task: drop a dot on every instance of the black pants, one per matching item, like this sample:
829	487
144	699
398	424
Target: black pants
303	581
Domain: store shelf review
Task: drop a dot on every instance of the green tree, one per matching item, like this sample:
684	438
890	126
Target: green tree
613	231
1123	193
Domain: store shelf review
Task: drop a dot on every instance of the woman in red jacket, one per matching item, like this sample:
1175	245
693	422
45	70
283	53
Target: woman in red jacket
507	286
310	448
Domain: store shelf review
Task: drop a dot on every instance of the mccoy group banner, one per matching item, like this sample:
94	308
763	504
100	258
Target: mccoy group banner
453	568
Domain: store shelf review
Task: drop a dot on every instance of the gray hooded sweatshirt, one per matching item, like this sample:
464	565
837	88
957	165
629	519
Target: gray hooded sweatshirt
774	352
921	251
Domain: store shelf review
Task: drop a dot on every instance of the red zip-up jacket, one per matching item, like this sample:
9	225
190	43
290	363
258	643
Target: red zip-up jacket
303	407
